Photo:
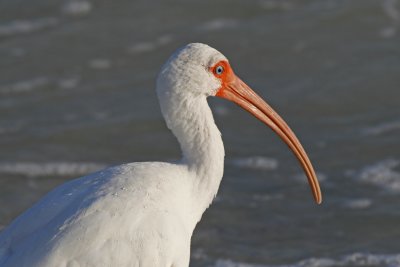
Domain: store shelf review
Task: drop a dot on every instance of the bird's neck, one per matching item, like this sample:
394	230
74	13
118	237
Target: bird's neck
191	120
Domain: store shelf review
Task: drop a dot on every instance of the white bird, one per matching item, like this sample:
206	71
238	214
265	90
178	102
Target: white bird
144	213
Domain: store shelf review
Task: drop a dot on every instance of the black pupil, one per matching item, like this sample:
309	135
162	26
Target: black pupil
219	69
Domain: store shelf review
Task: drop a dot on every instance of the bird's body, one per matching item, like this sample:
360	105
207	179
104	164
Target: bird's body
140	214
110	218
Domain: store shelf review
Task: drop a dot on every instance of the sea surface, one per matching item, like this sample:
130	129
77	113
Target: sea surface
77	94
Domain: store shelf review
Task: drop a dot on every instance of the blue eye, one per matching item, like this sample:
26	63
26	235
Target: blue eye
219	70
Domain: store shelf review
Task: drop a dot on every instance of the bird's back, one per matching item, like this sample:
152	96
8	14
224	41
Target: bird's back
113	217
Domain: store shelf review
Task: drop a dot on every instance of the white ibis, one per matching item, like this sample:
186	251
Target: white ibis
144	213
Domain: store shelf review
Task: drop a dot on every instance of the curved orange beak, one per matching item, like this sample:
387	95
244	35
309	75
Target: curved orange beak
237	91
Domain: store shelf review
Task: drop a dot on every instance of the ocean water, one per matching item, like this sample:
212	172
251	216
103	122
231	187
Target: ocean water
77	81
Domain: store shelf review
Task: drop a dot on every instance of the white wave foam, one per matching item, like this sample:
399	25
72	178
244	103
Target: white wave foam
382	128
24	86
361	203
301	177
100	63
391	10
77	8
39	83
164	39
199	254
32	169
68	83
354	260
26	26
388	32
255	163
229	263
268	197
218	24
382	174
143	47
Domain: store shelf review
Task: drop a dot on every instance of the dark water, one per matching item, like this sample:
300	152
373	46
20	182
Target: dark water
77	94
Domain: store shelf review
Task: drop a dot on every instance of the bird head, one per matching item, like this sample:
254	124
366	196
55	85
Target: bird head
188	71
200	70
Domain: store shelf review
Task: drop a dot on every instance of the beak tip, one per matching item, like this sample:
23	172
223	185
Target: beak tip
318	198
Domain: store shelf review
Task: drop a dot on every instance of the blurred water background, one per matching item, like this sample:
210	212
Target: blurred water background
77	81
